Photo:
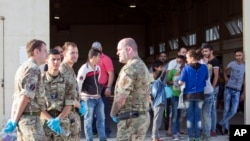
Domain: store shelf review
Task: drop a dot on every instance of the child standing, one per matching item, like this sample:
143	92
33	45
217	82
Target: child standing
173	77
158	97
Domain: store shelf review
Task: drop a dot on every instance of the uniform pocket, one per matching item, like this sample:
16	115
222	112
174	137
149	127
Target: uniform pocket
75	123
27	124
30	126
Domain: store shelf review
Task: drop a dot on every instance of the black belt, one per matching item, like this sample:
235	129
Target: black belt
139	112
234	89
130	114
142	112
31	113
54	113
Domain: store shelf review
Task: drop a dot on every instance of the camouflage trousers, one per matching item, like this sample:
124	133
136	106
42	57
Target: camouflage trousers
133	129
75	126
30	129
52	136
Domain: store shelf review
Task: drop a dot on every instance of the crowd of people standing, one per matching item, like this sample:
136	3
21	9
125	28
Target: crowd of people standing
52	105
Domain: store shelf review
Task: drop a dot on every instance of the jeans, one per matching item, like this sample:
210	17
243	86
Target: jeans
94	107
106	101
206	113
214	109
176	115
193	108
231	97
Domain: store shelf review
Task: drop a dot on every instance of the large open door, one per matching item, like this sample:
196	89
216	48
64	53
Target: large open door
2	105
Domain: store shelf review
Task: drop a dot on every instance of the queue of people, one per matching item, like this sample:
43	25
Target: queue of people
200	74
51	105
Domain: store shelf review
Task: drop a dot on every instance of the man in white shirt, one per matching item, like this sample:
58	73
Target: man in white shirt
173	64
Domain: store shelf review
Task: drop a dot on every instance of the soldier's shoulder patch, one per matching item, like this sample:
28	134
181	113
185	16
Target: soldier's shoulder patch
32	87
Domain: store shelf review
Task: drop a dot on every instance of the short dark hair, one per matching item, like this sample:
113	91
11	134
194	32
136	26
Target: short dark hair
93	52
156	63
179	49
206	45
181	57
163	52
54	52
238	50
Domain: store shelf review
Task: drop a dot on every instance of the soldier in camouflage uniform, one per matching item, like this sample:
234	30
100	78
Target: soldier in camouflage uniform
70	52
29	96
59	95
131	93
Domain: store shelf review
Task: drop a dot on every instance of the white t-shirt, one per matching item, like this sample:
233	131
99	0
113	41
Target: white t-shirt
172	64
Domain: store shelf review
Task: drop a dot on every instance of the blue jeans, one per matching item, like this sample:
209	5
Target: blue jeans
94	107
214	109
231	97
206	113
193	108
176	115
106	101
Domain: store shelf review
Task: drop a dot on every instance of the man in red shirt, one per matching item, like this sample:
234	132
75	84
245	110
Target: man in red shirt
106	81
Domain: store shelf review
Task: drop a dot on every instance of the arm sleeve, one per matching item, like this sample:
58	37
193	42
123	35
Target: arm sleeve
172	64
170	75
70	92
80	78
41	101
124	87
30	82
108	64
216	64
229	65
184	74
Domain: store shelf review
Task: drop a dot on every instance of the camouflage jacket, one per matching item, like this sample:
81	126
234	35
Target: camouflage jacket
59	91
133	84
28	82
69	74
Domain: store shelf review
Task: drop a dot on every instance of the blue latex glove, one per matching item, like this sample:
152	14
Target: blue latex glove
115	119
10	126
83	108
54	125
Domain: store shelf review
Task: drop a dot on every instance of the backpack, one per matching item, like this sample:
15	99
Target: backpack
157	92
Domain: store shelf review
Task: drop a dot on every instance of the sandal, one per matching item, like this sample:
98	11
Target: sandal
183	132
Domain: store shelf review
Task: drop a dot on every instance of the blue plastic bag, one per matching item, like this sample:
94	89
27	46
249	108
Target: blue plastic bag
168	91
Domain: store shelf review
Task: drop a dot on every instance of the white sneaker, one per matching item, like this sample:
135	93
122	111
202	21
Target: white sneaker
175	137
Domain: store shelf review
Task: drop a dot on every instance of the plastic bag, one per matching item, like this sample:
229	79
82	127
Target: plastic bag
181	104
168	91
7	137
